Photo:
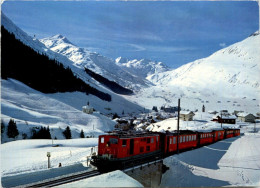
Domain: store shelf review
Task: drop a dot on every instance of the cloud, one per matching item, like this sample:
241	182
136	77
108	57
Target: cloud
153	48
138	48
222	45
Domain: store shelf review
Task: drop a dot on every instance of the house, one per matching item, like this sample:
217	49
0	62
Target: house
170	109
186	115
212	112
246	117
87	109
236	112
225	119
224	113
257	115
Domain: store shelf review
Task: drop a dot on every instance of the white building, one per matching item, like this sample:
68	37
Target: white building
87	109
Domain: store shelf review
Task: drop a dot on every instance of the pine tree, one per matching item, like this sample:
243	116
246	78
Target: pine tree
82	135
67	133
2	127
12	130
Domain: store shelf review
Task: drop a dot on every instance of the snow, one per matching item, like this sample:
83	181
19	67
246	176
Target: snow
231	162
113	179
30	109
30	155
228	79
83	58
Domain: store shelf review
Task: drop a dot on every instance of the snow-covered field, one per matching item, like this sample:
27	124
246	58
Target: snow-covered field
231	162
25	156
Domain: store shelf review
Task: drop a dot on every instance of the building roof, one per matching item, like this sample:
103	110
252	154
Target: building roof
224	117
244	114
186	112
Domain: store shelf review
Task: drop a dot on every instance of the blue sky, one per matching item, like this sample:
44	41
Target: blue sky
172	32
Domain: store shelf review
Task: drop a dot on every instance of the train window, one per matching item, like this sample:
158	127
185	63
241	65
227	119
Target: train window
180	139
174	140
194	137
141	149
183	138
148	140
124	143
189	138
170	141
102	140
113	140
147	148
151	140
157	138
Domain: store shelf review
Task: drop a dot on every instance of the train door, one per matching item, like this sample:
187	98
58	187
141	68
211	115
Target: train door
168	143
131	152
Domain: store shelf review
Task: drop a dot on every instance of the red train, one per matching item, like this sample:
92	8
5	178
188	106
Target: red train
120	150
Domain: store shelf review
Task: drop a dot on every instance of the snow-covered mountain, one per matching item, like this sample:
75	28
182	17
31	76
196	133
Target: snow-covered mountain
31	108
238	64
81	58
229	78
142	68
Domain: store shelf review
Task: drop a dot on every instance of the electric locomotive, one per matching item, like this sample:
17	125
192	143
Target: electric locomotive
121	150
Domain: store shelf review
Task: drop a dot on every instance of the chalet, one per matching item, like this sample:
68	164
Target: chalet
88	109
225	119
246	117
186	115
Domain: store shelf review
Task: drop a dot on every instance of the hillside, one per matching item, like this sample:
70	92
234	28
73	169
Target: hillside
38	71
228	79
51	92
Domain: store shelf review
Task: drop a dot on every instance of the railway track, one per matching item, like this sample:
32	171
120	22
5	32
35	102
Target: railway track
63	180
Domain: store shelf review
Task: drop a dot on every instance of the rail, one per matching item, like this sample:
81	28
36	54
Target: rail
64	180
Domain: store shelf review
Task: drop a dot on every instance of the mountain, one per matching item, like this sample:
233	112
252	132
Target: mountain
229	78
142	68
31	107
104	66
47	76
235	65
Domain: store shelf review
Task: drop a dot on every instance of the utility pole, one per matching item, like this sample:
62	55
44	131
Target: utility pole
221	118
178	124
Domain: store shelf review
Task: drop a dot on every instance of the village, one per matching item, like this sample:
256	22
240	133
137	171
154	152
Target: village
165	119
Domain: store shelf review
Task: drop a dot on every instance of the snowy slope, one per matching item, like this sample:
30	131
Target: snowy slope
30	108
229	78
231	162
102	65
238	64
